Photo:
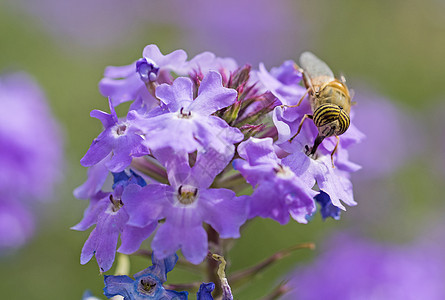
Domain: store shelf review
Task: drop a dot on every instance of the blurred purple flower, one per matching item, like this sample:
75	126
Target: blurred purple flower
279	192
353	268
16	224
186	204
108	212
31	155
146	284
389	130
233	26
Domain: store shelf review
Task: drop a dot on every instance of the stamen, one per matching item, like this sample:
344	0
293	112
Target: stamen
187	194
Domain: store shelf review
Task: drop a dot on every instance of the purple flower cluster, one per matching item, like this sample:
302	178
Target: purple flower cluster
200	131
30	156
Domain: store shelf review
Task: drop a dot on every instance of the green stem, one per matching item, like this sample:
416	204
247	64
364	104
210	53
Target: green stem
150	168
212	265
252	271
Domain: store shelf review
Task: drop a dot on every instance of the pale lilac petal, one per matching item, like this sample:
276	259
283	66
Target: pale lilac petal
119	71
173	61
283	82
165	241
212	96
194	247
122	90
258	151
99	149
209	163
168	130
182	229
177	95
126	147
102	241
145	205
93	210
132	237
97	175
223	211
253	174
265	203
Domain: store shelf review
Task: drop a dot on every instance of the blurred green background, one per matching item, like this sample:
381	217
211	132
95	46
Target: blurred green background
394	48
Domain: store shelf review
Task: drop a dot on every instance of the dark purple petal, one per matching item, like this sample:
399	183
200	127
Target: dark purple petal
120	285
205	291
327	209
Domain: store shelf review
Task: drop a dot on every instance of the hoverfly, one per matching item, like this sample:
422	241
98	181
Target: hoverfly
329	99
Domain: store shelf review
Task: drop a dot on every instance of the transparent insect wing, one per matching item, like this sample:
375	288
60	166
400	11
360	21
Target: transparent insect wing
314	67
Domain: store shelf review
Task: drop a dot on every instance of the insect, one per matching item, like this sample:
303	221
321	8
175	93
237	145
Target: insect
329	99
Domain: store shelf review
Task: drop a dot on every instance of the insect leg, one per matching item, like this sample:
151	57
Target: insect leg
299	101
333	151
301	125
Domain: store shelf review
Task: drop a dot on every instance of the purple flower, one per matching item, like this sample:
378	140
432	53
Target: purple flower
317	169
388	128
205	291
16	224
120	137
31	151
146	284
327	209
185	204
353	268
31	156
108	212
127	83
189	124
279	192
